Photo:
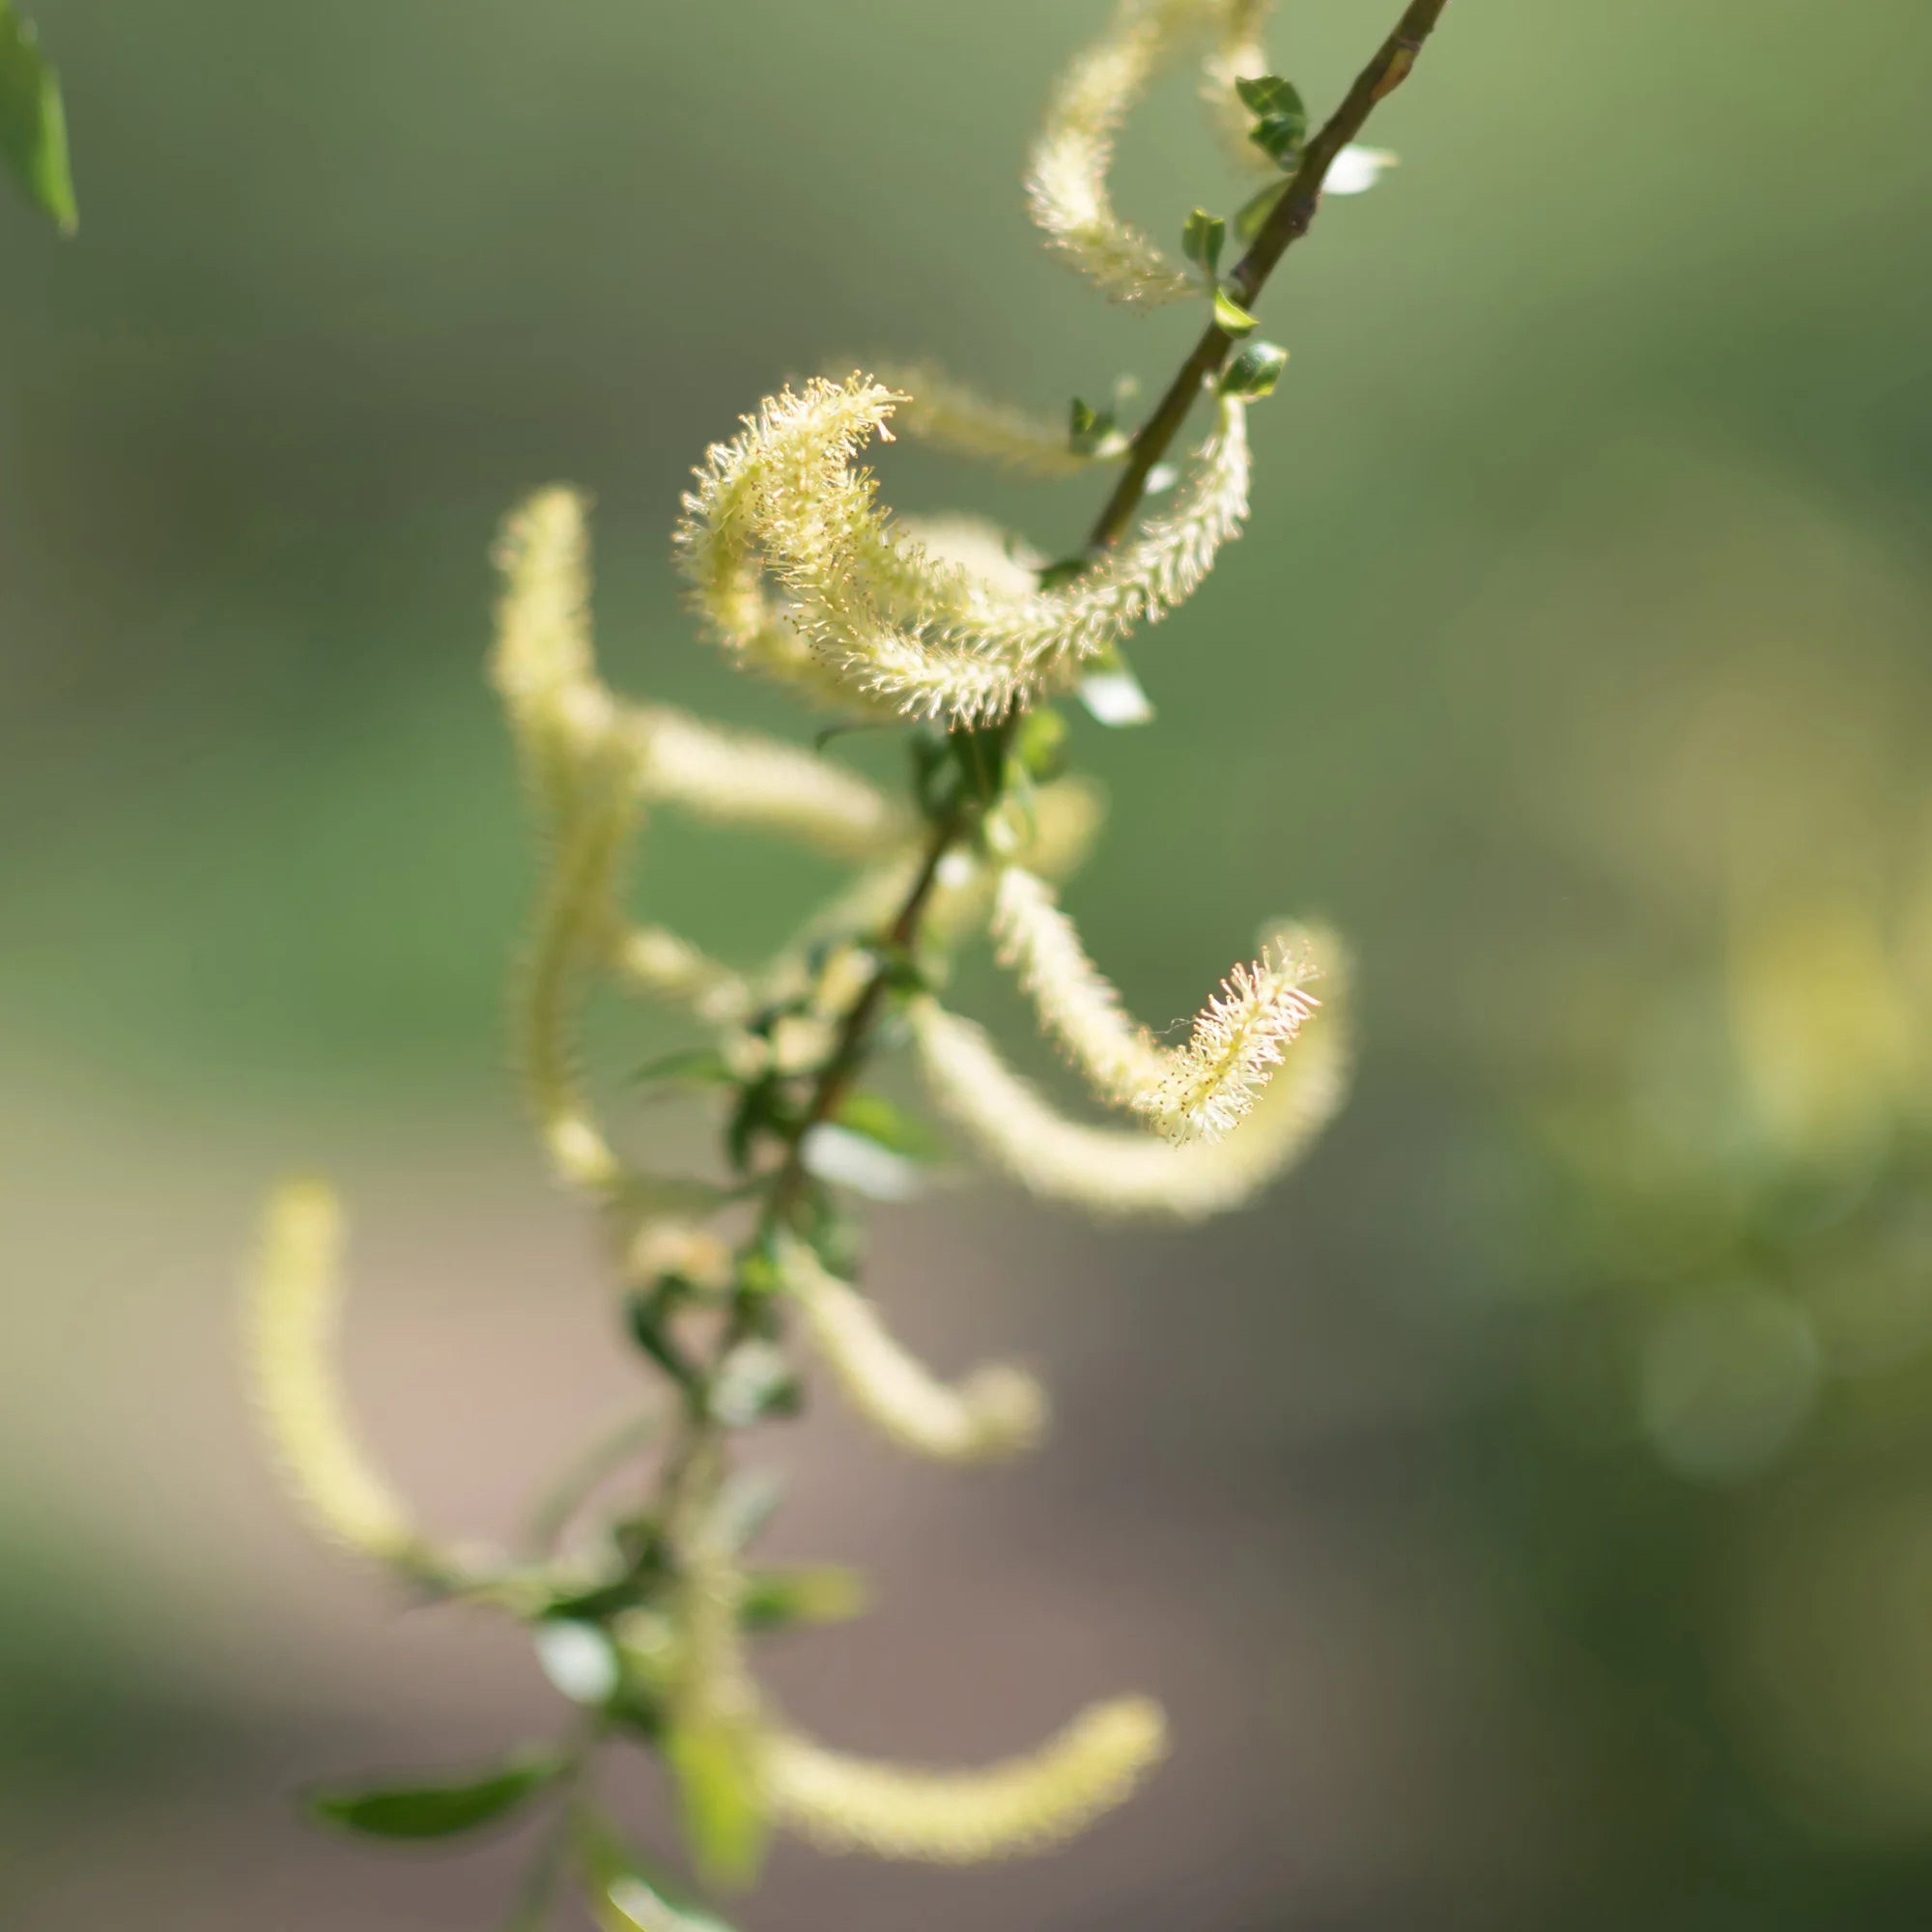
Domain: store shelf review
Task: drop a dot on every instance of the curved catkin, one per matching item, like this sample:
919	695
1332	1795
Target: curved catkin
745	779
881	619
1066	171
543	664
294	1312
574	920
1005	1811
1198	1091
953	416
996	1411
1118	1173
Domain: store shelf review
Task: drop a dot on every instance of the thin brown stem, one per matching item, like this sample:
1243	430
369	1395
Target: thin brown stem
1289	220
696	1467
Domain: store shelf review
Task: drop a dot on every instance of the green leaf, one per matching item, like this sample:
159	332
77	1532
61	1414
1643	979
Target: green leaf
1114	697
720	1798
805	1593
691	1067
1254	370
1039	745
628	1893
579	1659
753	1381
1054	576
648	1316
1253	213
1201	240
744	1507
1230	316
33	123
842	1157
440	1809
889	1123
1091	431
1281	117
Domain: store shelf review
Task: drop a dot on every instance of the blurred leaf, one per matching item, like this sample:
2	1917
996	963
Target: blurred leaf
1254	212
1039	745
805	1593
846	1158
754	1381
1254	370
648	1316
715	1763
744	1506
1281	117
33	123
691	1067
578	1657
628	1893
1114	695
1202	238
1089	431
889	1123
1231	316
439	1809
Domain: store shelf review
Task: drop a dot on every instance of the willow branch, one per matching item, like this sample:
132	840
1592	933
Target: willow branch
1288	222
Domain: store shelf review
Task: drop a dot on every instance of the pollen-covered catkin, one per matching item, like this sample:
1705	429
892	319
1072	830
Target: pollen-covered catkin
967	1817
996	1411
295	1308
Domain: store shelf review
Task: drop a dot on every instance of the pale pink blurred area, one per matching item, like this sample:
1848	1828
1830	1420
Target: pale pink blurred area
1247	1548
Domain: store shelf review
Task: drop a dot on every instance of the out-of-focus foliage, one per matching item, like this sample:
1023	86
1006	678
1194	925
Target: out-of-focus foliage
33	122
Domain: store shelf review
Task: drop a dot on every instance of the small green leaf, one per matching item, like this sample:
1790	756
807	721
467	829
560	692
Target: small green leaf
1232	318
691	1067
805	1593
33	123
1281	117
1253	213
753	1381
443	1809
1201	240
578	1659
1114	697
888	1124
1091	431
845	1158
1055	576
1039	745
744	1507
648	1316
628	1893
720	1798
1254	370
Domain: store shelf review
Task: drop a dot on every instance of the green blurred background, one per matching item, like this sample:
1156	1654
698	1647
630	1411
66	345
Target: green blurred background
1526	1513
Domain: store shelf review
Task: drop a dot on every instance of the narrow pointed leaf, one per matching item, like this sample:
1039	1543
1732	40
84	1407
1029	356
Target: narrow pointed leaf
33	123
441	1808
720	1799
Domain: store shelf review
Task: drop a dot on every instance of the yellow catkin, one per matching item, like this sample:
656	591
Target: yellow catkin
294	1312
953	416
1003	1810
1198	1091
1066	171
573	919
996	1411
884	622
1120	1174
743	778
